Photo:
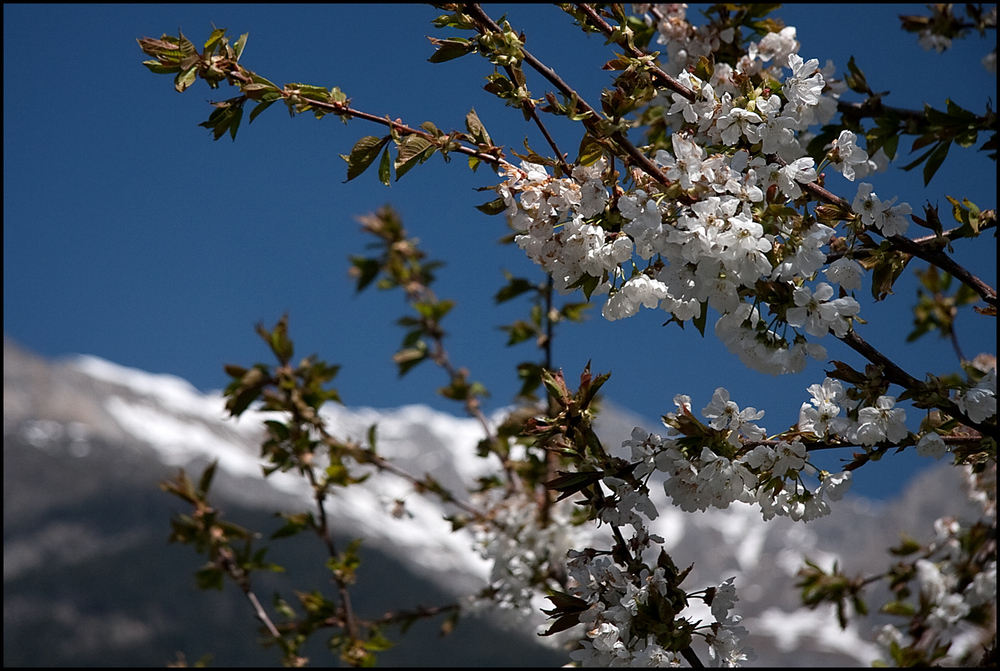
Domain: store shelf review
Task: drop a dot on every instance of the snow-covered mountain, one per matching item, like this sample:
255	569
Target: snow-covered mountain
86	440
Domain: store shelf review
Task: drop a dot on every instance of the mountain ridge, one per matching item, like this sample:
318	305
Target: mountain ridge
133	427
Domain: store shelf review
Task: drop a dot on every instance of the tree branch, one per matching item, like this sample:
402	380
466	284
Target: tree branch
620	139
897	375
665	79
946	263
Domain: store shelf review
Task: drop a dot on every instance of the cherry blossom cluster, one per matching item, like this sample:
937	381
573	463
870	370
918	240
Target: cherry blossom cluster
884	421
550	217
521	550
955	578
614	596
728	460
719	223
724	235
821	417
626	605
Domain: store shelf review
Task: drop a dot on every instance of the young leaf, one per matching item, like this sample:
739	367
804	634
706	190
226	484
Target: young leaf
935	160
185	78
412	150
213	40
494	207
364	153
260	108
240	45
385	168
476	128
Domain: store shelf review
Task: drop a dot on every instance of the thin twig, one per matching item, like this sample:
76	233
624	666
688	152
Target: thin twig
938	258
262	614
935	257
323	530
823	445
239	575
897	375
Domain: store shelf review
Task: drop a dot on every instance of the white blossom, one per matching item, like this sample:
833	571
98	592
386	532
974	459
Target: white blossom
779	46
805	85
931	445
845	272
818	313
980	402
883	421
846	155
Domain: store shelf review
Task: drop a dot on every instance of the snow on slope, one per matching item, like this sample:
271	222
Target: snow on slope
184	425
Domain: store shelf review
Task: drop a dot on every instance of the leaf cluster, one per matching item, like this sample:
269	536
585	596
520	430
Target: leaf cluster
228	546
820	587
570	430
945	23
935	308
933	129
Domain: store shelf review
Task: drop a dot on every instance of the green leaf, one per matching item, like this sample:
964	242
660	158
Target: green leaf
185	78
499	86
206	478
412	150
410	357
255	112
185	45
293	524
514	288
563	623
320	93
234	123
476	128
277	429
226	117
456	20
209	577
574	311
338	474
377	642
899	608
235	371
364	153
886	270
451	48
531	376
385	168
161	69
935	160
240	45
590	151
699	321
367	270
494	207
277	339
856	78
571	483
257	79
519	331
213	40
239	403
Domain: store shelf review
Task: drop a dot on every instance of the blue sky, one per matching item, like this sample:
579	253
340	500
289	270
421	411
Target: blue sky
129	234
